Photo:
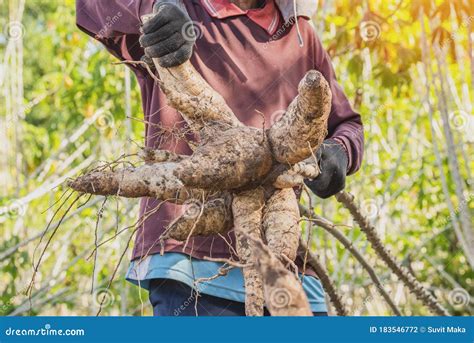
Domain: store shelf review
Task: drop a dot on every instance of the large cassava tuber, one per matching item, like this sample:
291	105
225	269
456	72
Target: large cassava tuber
233	159
283	292
247	208
238	175
281	223
303	127
241	156
212	217
202	107
151	156
156	181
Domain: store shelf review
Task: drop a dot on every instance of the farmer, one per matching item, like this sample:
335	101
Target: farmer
254	53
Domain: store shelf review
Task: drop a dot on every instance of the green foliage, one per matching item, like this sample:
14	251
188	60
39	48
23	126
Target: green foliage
69	79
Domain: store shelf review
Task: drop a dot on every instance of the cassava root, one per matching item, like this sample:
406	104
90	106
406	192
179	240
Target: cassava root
212	217
156	181
281	223
247	208
231	160
203	108
228	177
150	156
283	292
303	127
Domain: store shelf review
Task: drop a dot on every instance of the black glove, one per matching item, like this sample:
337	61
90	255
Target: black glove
169	35
332	159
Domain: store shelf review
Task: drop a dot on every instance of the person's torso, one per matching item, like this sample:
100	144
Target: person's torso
256	73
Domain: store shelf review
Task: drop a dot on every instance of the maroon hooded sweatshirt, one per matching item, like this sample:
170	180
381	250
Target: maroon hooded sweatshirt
254	63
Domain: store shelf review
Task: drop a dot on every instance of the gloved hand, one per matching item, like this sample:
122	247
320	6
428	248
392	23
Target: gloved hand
332	158
168	35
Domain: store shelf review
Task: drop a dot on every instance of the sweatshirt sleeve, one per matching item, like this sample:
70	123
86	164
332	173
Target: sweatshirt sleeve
114	23
344	123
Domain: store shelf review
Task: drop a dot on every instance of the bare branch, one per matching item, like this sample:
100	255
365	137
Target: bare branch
324	277
331	228
347	200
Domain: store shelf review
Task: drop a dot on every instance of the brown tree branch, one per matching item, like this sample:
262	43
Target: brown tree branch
422	294
331	228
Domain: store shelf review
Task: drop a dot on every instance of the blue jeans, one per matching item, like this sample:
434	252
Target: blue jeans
174	298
